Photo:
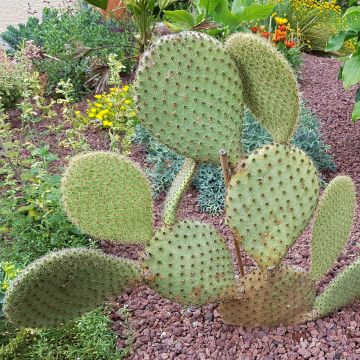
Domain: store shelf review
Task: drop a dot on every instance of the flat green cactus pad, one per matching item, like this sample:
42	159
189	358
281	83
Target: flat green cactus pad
108	197
270	87
177	190
333	223
190	263
270	200
189	95
66	284
342	291
270	299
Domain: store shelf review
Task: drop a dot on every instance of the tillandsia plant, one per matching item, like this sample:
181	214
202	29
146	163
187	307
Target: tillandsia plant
191	91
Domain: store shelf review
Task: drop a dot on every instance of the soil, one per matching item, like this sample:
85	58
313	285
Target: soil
165	330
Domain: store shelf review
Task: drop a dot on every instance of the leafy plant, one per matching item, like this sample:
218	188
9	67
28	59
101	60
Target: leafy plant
350	71
271	195
72	41
8	272
226	19
88	337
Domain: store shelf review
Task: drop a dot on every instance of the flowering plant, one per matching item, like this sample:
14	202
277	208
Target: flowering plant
114	110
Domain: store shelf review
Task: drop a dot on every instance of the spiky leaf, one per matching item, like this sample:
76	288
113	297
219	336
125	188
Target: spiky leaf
191	264
270	200
66	284
333	223
189	95
108	197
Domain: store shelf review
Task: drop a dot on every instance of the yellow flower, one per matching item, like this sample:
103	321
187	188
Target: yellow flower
77	113
123	107
125	88
107	123
133	113
98	96
281	21
110	104
98	105
127	101
91	115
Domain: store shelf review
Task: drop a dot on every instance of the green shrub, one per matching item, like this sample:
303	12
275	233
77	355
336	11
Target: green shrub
164	163
32	221
67	36
89	337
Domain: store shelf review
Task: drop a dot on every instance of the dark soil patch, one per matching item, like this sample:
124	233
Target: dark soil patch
164	330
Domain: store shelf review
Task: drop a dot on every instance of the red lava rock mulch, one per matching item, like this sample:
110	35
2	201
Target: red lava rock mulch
165	330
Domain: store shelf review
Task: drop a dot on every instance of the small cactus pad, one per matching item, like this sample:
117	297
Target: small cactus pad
270	299
108	197
270	200
190	263
189	95
333	223
66	284
177	189
342	291
270	87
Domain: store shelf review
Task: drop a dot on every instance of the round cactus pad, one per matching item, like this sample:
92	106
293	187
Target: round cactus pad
108	197
270	200
269	298
270	87
191	264
189	95
66	284
333	224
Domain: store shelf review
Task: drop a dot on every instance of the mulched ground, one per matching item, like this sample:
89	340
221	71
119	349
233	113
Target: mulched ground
164	330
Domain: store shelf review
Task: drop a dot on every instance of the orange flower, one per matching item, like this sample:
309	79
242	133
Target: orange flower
289	44
254	29
265	34
283	28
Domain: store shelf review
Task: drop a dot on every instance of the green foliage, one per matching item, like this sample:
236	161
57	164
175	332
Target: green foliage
32	220
108	197
18	82
208	180
292	55
65	284
350	71
226	20
88	337
191	118
191	263
71	37
333	224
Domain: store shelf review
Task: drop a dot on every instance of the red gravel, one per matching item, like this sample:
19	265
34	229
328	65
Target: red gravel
164	330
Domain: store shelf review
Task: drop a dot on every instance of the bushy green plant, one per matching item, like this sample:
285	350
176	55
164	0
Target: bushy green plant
208	181
32	220
73	39
88	337
18	81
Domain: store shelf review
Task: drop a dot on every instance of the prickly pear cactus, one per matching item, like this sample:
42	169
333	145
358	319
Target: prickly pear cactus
190	97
